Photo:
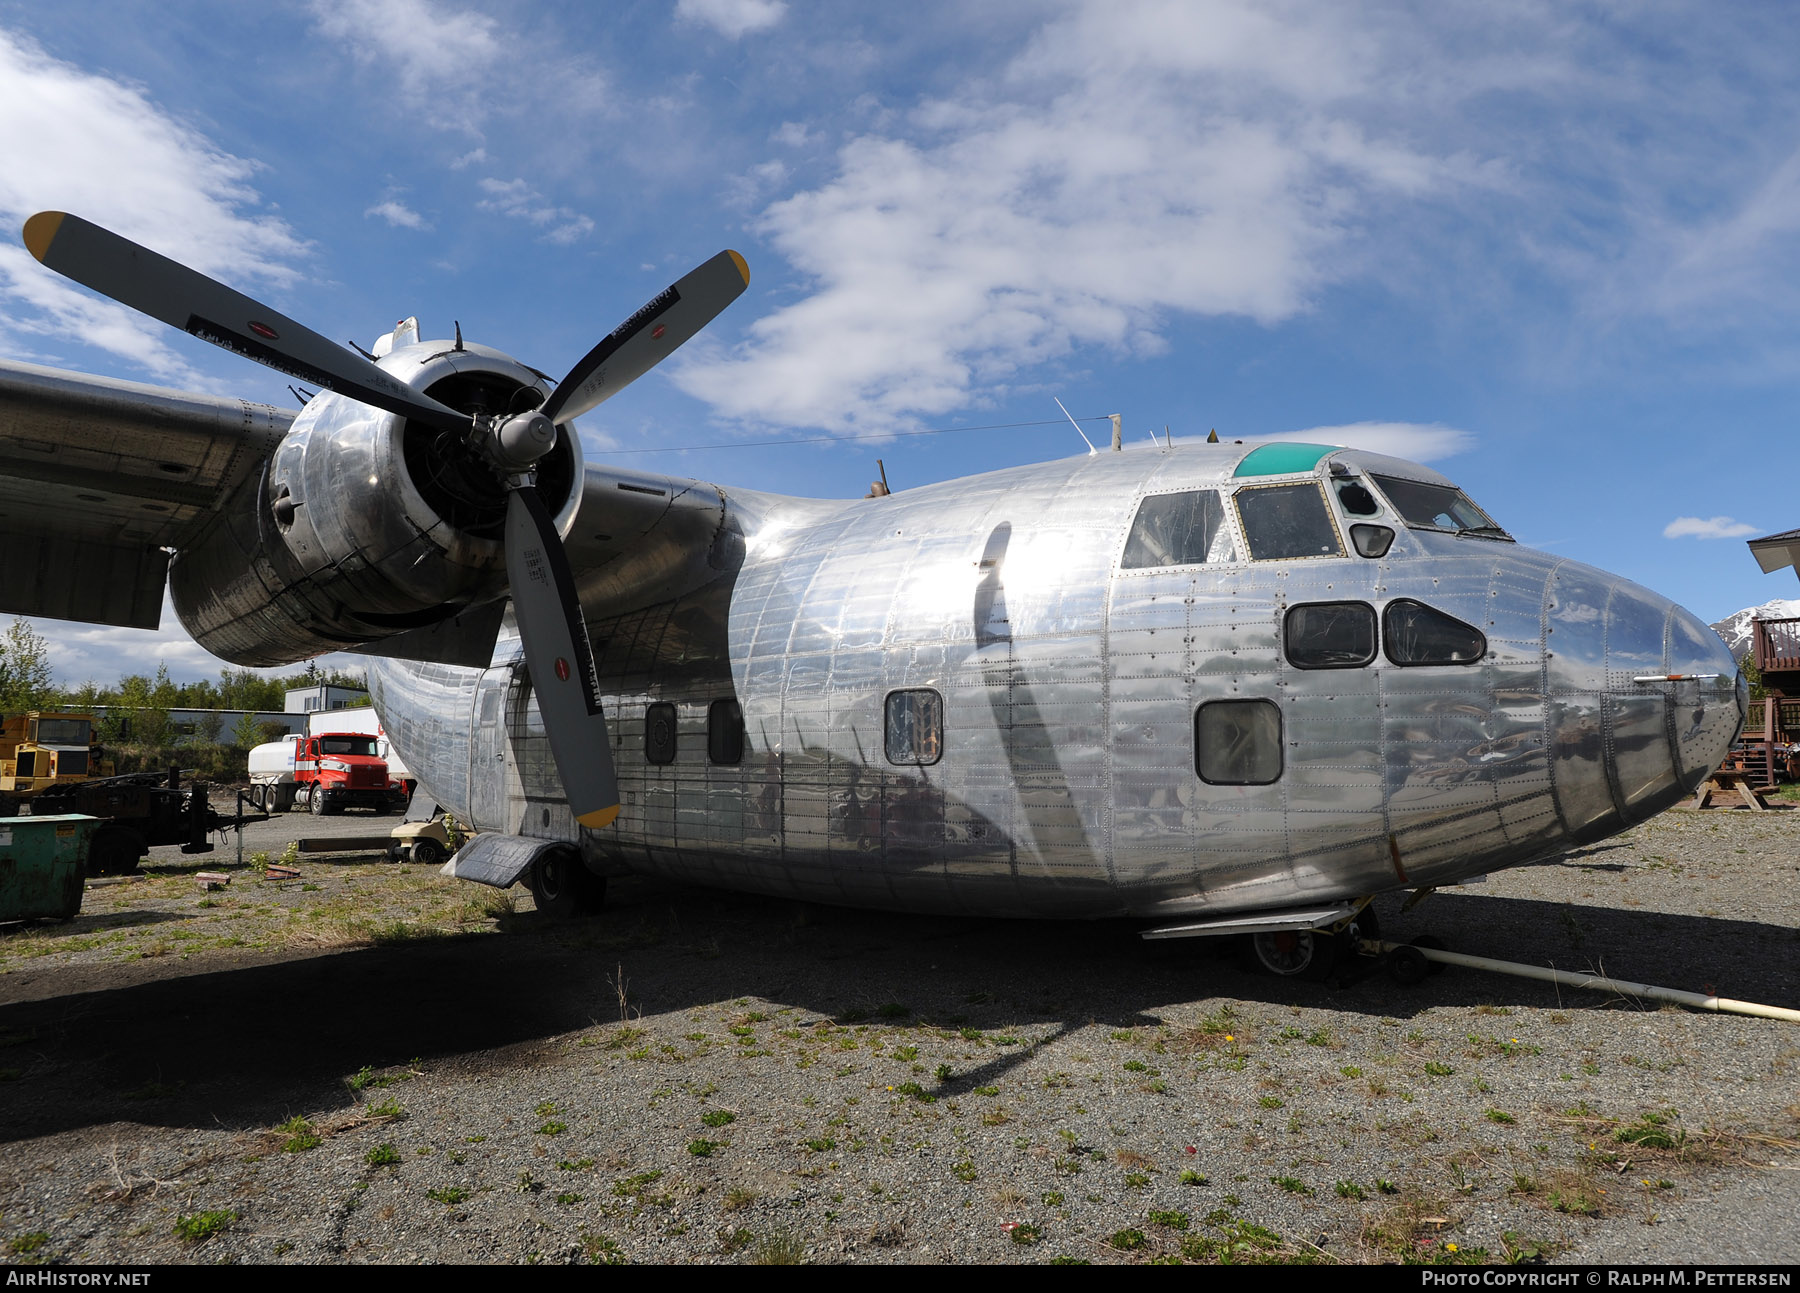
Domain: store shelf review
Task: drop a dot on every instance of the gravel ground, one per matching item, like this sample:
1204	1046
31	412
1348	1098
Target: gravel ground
374	1063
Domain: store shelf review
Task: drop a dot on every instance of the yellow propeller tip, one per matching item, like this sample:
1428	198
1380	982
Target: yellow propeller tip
40	232
743	269
599	818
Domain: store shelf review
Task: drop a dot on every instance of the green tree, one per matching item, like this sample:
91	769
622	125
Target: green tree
147	700
26	678
247	731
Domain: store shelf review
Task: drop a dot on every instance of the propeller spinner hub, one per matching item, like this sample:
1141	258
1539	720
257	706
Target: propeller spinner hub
519	441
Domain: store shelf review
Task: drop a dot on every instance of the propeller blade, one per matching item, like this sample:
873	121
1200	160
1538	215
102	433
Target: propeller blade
561	658
645	339
184	298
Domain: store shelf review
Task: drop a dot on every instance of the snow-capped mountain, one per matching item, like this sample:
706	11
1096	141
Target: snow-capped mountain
1736	630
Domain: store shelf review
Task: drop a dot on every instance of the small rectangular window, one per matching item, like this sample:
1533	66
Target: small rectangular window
725	732
915	727
1287	522
1179	530
1238	742
659	733
1329	635
1415	633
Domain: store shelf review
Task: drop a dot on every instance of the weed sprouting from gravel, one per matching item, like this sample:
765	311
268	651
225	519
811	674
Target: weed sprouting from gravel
300	1136
779	1248
382	1156
197	1227
601	1250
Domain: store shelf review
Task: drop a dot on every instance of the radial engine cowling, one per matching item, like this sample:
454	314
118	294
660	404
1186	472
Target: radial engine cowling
364	524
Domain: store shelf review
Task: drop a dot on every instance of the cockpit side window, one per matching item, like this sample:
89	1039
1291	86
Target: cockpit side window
1438	507
1413	634
1356	500
1186	529
1287	522
1330	635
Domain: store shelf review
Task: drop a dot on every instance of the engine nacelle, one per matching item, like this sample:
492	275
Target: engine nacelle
365	524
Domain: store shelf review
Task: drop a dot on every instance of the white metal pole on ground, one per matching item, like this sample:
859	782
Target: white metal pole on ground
1601	983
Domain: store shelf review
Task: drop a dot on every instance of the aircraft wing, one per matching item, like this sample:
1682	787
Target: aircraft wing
100	479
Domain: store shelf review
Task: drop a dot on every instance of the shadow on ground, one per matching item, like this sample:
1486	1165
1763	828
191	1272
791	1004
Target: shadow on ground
246	1046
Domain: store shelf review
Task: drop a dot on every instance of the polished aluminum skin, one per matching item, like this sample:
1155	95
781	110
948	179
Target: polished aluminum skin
1067	783
338	543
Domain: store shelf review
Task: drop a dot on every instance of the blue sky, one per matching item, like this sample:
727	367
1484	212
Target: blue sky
1549	247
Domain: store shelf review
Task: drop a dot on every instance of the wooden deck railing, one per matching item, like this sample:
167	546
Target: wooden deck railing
1777	644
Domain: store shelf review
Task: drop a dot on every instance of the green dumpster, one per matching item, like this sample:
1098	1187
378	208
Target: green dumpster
43	865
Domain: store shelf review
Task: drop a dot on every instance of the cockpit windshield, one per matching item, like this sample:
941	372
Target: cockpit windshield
1438	507
346	745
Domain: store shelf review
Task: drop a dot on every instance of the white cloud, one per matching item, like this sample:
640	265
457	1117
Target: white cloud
457	68
440	57
102	149
516	198
1707	527
398	214
1417	441
732	18
1133	163
794	134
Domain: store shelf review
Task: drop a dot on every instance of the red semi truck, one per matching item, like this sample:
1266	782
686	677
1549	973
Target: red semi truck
326	772
340	770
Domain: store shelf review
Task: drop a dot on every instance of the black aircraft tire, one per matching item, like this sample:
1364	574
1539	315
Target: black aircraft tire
1407	965
562	886
1293	953
428	852
114	850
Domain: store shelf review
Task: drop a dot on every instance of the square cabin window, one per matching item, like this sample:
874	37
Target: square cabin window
1238	742
659	733
915	727
725	732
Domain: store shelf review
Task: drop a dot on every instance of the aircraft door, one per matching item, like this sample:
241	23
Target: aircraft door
1332	739
490	775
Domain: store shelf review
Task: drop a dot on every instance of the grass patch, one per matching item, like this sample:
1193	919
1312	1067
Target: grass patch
197	1227
300	1136
781	1247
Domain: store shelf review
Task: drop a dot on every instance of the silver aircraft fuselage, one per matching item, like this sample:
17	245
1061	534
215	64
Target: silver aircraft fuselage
987	695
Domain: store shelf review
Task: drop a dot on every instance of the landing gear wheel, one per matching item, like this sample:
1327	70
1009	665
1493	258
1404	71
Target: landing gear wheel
562	887
1436	944
1407	965
113	851
1288	953
431	853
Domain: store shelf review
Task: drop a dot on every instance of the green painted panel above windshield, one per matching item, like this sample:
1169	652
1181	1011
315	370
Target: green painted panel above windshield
1280	459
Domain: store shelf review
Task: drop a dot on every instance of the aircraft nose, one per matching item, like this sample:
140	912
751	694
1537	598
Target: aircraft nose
1644	700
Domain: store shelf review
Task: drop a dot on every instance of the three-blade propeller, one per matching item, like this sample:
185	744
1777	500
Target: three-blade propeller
551	626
